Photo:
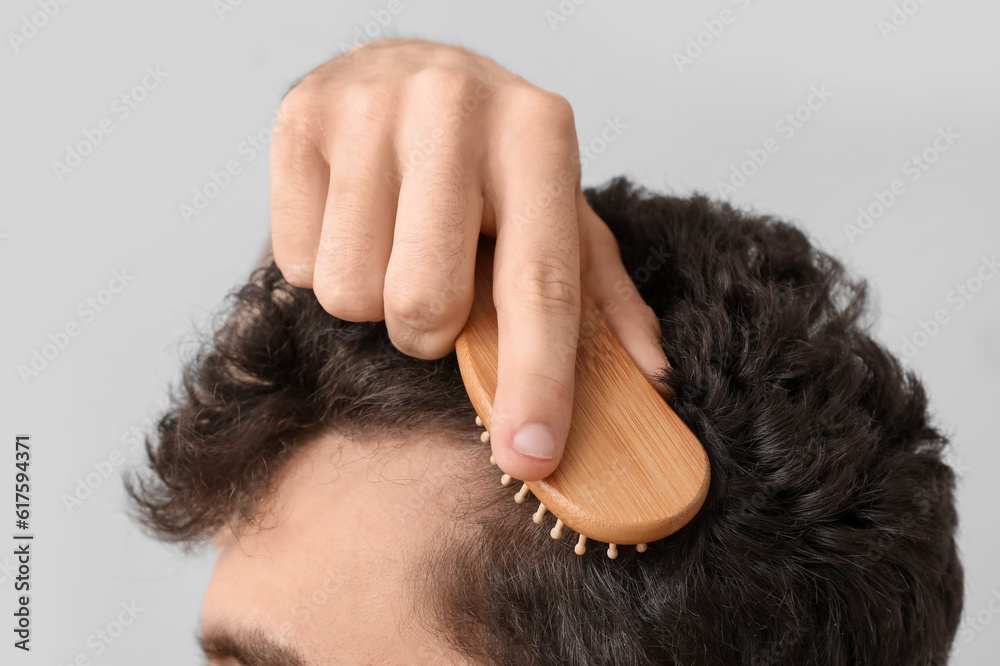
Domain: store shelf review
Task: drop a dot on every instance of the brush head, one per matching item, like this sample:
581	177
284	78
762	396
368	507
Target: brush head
632	472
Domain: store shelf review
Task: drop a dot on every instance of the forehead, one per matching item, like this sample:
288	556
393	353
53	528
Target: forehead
332	567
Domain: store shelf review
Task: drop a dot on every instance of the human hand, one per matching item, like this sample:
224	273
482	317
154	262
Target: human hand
386	164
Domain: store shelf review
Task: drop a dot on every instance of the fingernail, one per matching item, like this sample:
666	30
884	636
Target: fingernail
536	441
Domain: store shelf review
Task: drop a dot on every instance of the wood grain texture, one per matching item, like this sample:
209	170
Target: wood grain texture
632	471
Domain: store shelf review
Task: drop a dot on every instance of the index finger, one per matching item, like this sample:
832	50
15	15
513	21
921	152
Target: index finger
536	291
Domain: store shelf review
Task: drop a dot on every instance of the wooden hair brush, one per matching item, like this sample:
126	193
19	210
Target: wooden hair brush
632	472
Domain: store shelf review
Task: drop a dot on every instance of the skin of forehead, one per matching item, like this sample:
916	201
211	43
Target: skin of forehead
331	568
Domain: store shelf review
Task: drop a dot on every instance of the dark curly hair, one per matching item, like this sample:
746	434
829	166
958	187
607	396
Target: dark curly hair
827	536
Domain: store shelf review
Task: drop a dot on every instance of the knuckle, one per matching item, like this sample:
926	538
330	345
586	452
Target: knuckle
345	301
536	106
544	129
363	100
546	282
418	308
555	106
300	120
549	386
444	84
296	273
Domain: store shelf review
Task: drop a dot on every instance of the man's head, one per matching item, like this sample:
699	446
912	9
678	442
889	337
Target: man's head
357	519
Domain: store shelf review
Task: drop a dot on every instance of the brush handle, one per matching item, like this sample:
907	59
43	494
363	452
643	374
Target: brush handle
632	471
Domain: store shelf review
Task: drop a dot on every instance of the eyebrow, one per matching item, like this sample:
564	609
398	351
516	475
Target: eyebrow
250	647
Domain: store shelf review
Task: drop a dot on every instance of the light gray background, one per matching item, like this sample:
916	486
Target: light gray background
61	241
